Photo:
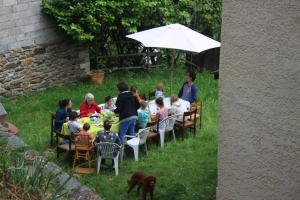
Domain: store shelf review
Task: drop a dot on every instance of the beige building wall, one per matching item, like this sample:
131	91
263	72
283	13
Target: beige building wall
34	55
259	142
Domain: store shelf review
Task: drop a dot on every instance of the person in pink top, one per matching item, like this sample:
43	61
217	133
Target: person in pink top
162	112
84	136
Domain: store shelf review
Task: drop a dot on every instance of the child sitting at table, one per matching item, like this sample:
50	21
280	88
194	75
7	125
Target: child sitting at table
109	103
135	93
159	90
143	115
106	135
162	111
84	136
176	108
74	125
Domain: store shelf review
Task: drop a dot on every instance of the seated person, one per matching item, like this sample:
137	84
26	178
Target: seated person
176	108
188	91
159	90
109	103
135	93
162	111
89	106
74	125
106	135
62	114
143	115
84	136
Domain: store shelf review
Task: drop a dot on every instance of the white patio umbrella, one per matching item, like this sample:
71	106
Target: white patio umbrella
175	36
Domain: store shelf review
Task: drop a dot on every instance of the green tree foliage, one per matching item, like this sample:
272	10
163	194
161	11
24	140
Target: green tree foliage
103	21
92	19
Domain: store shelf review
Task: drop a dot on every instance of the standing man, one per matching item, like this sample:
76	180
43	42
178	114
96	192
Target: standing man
127	106
188	91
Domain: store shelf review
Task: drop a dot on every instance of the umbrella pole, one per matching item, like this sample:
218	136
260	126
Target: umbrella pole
172	69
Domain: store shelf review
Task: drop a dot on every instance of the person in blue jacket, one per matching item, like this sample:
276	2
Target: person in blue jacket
62	114
188	91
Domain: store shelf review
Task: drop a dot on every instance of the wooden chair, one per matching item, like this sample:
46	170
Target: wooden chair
198	106
83	151
189	121
67	146
52	132
154	133
151	95
143	96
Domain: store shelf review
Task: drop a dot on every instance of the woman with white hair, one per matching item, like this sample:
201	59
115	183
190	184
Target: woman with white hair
89	106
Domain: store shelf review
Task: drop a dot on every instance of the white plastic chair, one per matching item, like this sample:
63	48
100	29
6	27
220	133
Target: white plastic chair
138	140
162	125
106	150
170	124
101	106
166	126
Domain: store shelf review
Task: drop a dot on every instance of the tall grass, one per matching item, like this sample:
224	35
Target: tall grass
28	182
185	170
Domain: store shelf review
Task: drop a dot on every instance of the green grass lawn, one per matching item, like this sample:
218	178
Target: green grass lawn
185	170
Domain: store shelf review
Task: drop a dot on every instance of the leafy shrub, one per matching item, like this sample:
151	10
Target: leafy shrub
18	181
105	23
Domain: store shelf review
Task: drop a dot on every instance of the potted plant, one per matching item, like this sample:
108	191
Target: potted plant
97	73
97	76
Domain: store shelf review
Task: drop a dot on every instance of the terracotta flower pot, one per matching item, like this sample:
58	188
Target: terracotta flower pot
97	76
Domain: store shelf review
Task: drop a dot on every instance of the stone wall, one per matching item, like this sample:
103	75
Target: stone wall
259	141
33	55
22	23
38	67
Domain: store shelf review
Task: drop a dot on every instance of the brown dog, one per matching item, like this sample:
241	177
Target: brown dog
147	183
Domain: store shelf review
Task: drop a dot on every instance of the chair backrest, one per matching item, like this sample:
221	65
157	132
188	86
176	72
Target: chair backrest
172	120
190	115
101	106
107	149
162	125
151	94
169	122
83	140
53	116
197	106
115	100
143	134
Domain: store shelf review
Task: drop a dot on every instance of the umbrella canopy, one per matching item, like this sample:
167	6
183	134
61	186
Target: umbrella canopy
175	36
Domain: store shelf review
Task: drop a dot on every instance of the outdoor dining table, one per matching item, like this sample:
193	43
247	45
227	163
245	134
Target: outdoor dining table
152	108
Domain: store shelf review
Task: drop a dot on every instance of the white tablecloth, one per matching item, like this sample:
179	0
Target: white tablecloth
153	108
